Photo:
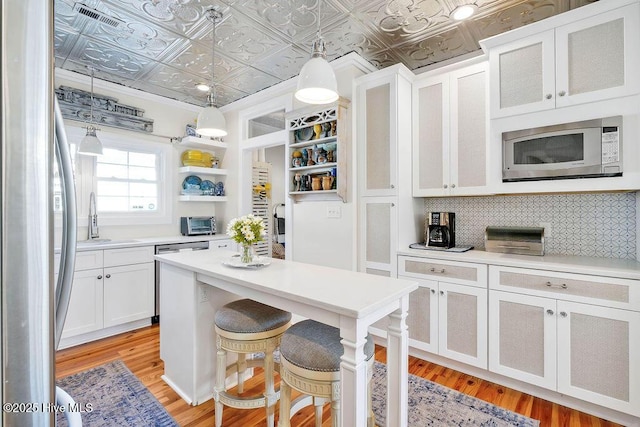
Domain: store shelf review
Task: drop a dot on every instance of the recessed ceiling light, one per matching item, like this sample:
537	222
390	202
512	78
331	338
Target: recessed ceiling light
203	87
461	13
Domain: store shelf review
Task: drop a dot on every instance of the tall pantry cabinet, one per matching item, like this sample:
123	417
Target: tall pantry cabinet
383	135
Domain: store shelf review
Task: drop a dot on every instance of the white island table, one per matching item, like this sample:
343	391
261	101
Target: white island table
194	284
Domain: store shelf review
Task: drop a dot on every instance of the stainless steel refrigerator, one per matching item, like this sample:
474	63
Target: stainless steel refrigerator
33	307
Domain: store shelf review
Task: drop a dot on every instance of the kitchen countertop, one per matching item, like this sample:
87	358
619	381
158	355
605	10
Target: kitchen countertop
611	267
145	241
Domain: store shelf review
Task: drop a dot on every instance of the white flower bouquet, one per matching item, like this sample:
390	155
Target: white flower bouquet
246	230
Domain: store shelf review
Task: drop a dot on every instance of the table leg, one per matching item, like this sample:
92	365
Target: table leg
398	366
353	370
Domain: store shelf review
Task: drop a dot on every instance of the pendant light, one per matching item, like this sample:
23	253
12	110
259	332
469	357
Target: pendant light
317	82
90	144
211	122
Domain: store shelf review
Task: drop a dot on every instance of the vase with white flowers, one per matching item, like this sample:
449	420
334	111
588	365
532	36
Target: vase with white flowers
246	230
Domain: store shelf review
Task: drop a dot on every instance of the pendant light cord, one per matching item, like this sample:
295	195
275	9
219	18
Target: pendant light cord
214	15
91	106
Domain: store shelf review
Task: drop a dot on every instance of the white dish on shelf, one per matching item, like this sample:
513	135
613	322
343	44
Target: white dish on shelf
256	263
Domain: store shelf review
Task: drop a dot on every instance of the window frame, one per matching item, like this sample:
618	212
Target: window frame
86	179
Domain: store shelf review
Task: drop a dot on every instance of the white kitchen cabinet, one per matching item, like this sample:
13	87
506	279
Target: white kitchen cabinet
379	242
584	349
111	287
85	313
450	121
448	312
584	55
383	135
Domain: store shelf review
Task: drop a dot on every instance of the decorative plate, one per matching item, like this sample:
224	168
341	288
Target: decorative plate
191	181
256	263
207	187
304	134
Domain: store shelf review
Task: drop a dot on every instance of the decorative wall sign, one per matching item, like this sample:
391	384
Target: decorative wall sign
75	104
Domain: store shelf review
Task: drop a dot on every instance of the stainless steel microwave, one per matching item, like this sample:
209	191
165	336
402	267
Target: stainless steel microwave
574	150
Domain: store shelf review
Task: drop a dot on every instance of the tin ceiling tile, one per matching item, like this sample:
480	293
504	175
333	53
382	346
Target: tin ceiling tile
260	42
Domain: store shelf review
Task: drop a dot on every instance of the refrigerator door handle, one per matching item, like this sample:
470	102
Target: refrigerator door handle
69	224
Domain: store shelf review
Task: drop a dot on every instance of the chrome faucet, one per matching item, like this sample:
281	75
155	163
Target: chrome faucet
93	218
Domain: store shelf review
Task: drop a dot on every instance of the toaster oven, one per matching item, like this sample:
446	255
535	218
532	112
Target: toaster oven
197	225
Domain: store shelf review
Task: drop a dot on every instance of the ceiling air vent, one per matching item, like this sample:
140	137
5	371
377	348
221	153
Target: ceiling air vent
85	10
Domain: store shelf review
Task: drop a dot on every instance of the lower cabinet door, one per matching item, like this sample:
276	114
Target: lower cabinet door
422	319
522	337
85	306
128	293
599	354
462	312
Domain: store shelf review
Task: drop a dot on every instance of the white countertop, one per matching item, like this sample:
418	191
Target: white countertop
611	267
346	292
145	241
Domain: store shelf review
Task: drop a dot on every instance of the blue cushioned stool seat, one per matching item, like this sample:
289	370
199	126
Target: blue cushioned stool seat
315	346
246	316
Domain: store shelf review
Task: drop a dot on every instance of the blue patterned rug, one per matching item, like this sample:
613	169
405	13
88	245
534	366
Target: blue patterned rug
431	404
110	395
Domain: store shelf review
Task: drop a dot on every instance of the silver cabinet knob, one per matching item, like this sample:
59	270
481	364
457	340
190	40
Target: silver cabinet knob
99	276
442	293
550	312
562	93
108	276
445	186
548	96
392	186
433	291
453	186
563	314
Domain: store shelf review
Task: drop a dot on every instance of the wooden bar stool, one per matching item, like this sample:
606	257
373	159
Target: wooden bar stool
246	327
310	354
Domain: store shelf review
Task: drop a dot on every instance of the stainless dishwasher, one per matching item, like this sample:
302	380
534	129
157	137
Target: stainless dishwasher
165	249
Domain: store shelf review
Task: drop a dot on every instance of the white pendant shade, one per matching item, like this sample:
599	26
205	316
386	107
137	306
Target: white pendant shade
90	144
211	122
317	82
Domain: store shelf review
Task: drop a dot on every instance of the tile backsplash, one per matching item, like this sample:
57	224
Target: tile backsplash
598	225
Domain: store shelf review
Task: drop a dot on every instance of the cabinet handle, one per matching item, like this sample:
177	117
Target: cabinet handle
222	246
445	186
550	312
393	186
433	270
108	276
562	93
548	96
433	291
442	293
453	186
563	314
562	286
99	276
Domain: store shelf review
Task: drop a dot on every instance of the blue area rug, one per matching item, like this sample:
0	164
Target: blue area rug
431	404
110	395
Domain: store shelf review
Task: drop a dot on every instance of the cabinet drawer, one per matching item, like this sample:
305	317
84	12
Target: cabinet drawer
611	291
447	271
128	256
85	260
225	244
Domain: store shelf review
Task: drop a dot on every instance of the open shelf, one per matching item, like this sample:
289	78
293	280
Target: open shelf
202	171
312	142
202	143
183	198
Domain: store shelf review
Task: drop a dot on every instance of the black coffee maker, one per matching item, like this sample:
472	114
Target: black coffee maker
440	229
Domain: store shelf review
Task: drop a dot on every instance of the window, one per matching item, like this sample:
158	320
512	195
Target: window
127	181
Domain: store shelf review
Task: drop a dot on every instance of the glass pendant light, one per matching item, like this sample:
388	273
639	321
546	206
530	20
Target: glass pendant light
90	144
211	122
317	82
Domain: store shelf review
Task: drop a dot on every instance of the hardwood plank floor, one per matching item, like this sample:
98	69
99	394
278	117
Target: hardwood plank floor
140	351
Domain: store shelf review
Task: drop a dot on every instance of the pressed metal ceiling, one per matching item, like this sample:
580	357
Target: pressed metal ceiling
164	46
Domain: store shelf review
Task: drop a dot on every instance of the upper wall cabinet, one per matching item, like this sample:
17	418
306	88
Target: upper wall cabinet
450	133
585	55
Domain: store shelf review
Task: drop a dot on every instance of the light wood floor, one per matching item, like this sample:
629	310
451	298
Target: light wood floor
140	351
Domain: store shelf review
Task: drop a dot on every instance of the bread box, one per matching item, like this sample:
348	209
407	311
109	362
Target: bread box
515	240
